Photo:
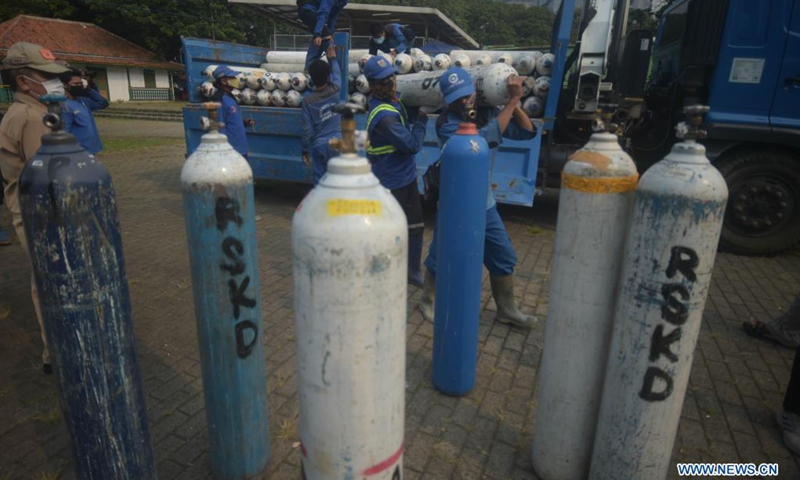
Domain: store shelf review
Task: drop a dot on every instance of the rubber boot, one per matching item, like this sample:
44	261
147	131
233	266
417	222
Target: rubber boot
507	311
786	328
426	302
415	258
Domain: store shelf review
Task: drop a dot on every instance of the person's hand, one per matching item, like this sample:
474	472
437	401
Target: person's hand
515	87
317	41
331	52
306	159
249	122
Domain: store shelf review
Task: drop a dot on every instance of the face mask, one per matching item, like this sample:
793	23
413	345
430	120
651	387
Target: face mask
53	86
235	82
379	40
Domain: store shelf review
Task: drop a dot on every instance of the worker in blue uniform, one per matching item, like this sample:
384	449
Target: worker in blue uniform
494	124
396	135
320	123
390	38
77	114
227	79
319	16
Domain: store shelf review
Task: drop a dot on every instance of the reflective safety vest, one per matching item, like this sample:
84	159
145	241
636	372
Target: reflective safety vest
383	107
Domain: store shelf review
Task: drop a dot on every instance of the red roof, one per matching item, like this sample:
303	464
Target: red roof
78	42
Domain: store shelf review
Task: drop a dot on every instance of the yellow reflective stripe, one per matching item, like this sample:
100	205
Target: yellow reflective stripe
381	150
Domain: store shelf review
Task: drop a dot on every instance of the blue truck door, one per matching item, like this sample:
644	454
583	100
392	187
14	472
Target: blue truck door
785	111
749	62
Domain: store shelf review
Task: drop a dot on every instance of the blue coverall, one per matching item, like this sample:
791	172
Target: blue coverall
79	121
319	16
395	39
231	116
320	124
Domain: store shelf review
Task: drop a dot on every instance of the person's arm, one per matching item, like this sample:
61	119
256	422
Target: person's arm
323	12
521	127
224	114
399	38
404	140
95	101
515	93
32	134
336	70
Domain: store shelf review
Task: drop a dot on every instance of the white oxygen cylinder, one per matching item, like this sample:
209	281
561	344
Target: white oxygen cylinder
533	106
248	96
283	81
207	89
403	63
293	99
441	61
278	98
350	249
666	273
422	63
209	71
362	84
541	87
264	98
359	99
544	65
253	79
461	60
268	82
299	82
597	189
491	86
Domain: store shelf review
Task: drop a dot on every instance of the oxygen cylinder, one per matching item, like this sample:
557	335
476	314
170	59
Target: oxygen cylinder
207	89
422	63
362	84
248	96
666	273
415	52
363	61
350	248
359	99
351	84
441	61
403	63
298	58
268	82
278	98
596	196
253	80
461	232
526	65
491	86
528	85
484	59
209	71
533	106
283	81
299	82
219	210
293	99
541	87
544	65
388	56
264	98
69	212
237	95
507	57
461	60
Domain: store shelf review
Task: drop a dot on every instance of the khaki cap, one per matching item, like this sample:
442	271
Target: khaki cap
30	55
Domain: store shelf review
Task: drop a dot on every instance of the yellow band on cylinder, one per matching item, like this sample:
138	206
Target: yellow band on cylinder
599	185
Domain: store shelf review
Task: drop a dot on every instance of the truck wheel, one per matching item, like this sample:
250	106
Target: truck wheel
763	212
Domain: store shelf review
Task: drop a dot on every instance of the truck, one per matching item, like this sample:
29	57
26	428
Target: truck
740	57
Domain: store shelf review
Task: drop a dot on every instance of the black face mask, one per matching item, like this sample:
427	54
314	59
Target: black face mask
76	91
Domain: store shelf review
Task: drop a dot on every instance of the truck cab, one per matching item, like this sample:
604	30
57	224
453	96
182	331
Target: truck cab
742	58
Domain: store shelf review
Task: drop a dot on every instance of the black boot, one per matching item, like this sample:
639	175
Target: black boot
507	311
415	258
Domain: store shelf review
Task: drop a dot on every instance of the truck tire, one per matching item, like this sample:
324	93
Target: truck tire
763	212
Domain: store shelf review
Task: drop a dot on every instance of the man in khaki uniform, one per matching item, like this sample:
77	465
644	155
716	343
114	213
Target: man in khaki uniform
33	72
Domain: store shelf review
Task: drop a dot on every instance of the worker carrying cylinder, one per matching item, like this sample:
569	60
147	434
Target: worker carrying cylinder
396	135
320	123
391	38
227	80
494	124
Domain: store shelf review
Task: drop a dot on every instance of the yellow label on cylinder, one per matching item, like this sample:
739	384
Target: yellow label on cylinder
341	206
599	185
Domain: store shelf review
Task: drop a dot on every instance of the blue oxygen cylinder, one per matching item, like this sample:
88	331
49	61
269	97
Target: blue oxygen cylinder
219	210
460	234
69	211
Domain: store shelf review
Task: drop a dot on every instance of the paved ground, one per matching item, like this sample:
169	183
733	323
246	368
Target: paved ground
728	416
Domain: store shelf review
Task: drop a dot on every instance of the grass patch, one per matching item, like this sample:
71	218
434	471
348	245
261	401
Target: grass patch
118	144
161	106
535	230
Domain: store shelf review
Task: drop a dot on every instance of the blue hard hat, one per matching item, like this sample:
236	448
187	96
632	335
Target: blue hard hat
378	68
224	71
455	83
